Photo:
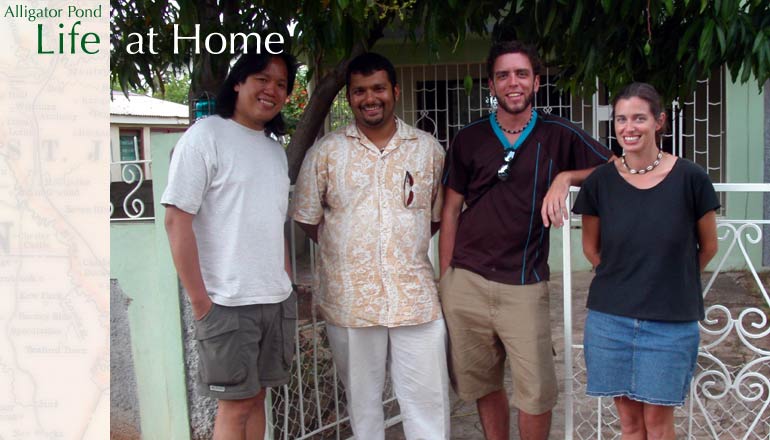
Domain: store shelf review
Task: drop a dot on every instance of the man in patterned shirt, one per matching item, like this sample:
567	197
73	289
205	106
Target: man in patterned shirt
370	194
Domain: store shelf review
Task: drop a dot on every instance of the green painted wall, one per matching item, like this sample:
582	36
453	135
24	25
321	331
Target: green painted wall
141	262
555	257
745	158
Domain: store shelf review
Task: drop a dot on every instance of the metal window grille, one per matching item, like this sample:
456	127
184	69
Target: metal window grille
131	196
434	98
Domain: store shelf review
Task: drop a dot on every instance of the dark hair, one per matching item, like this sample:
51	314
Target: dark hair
249	64
368	63
645	92
513	46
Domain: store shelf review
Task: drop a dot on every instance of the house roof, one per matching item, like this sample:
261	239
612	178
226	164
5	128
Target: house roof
141	105
143	109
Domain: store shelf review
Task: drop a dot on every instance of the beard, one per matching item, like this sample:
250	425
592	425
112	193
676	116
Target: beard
372	121
514	110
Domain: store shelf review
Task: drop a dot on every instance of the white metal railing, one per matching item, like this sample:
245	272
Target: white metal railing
313	404
433	98
133	204
730	391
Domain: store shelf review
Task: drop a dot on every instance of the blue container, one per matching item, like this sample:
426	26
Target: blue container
204	107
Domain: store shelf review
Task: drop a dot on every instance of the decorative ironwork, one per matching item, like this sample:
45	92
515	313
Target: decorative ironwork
434	98
313	405
727	399
732	388
132	192
730	391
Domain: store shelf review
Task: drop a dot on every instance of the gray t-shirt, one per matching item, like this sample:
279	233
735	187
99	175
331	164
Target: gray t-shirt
235	181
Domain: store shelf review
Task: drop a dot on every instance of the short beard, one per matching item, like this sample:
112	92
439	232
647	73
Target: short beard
530	101
372	123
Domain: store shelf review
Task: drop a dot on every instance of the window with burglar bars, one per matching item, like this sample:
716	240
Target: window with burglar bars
695	126
434	99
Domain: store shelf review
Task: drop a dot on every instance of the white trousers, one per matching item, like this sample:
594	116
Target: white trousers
416	357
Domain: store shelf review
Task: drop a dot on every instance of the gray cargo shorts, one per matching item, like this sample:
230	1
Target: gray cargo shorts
243	349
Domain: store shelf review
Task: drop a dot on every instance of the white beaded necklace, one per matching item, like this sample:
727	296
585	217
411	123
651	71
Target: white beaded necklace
643	170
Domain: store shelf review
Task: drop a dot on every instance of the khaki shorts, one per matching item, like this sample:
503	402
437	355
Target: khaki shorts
245	348
487	321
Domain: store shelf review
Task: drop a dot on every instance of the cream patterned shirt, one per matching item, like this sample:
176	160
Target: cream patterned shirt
375	210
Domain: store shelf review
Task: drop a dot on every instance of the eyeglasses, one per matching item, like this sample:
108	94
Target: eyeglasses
408	193
505	170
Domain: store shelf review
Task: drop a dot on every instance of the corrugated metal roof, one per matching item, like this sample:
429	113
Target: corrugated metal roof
141	105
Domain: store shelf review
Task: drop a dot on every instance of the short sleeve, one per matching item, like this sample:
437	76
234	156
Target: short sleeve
704	196
190	174
456	175
306	202
587	200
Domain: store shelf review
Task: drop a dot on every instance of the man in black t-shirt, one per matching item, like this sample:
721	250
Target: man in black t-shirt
512	170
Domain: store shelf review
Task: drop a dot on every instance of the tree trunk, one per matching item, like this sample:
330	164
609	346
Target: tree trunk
313	117
209	71
318	107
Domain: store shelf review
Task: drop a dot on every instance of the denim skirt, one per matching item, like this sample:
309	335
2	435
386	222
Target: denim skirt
647	361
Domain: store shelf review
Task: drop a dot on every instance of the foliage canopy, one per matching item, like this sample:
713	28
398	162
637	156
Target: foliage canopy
669	43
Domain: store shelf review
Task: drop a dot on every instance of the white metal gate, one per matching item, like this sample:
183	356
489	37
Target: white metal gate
730	391
313	405
728	399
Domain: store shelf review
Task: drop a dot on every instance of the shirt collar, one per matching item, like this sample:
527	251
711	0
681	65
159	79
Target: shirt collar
404	132
507	146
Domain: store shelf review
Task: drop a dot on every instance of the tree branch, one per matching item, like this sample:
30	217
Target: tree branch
320	102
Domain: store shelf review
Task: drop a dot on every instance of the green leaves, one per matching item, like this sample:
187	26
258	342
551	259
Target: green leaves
468	84
722	41
582	39
577	14
685	41
669	4
704	48
549	21
758	42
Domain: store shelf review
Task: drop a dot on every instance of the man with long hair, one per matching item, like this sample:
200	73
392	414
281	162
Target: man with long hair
226	203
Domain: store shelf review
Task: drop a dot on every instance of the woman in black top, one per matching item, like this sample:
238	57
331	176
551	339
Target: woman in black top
649	227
